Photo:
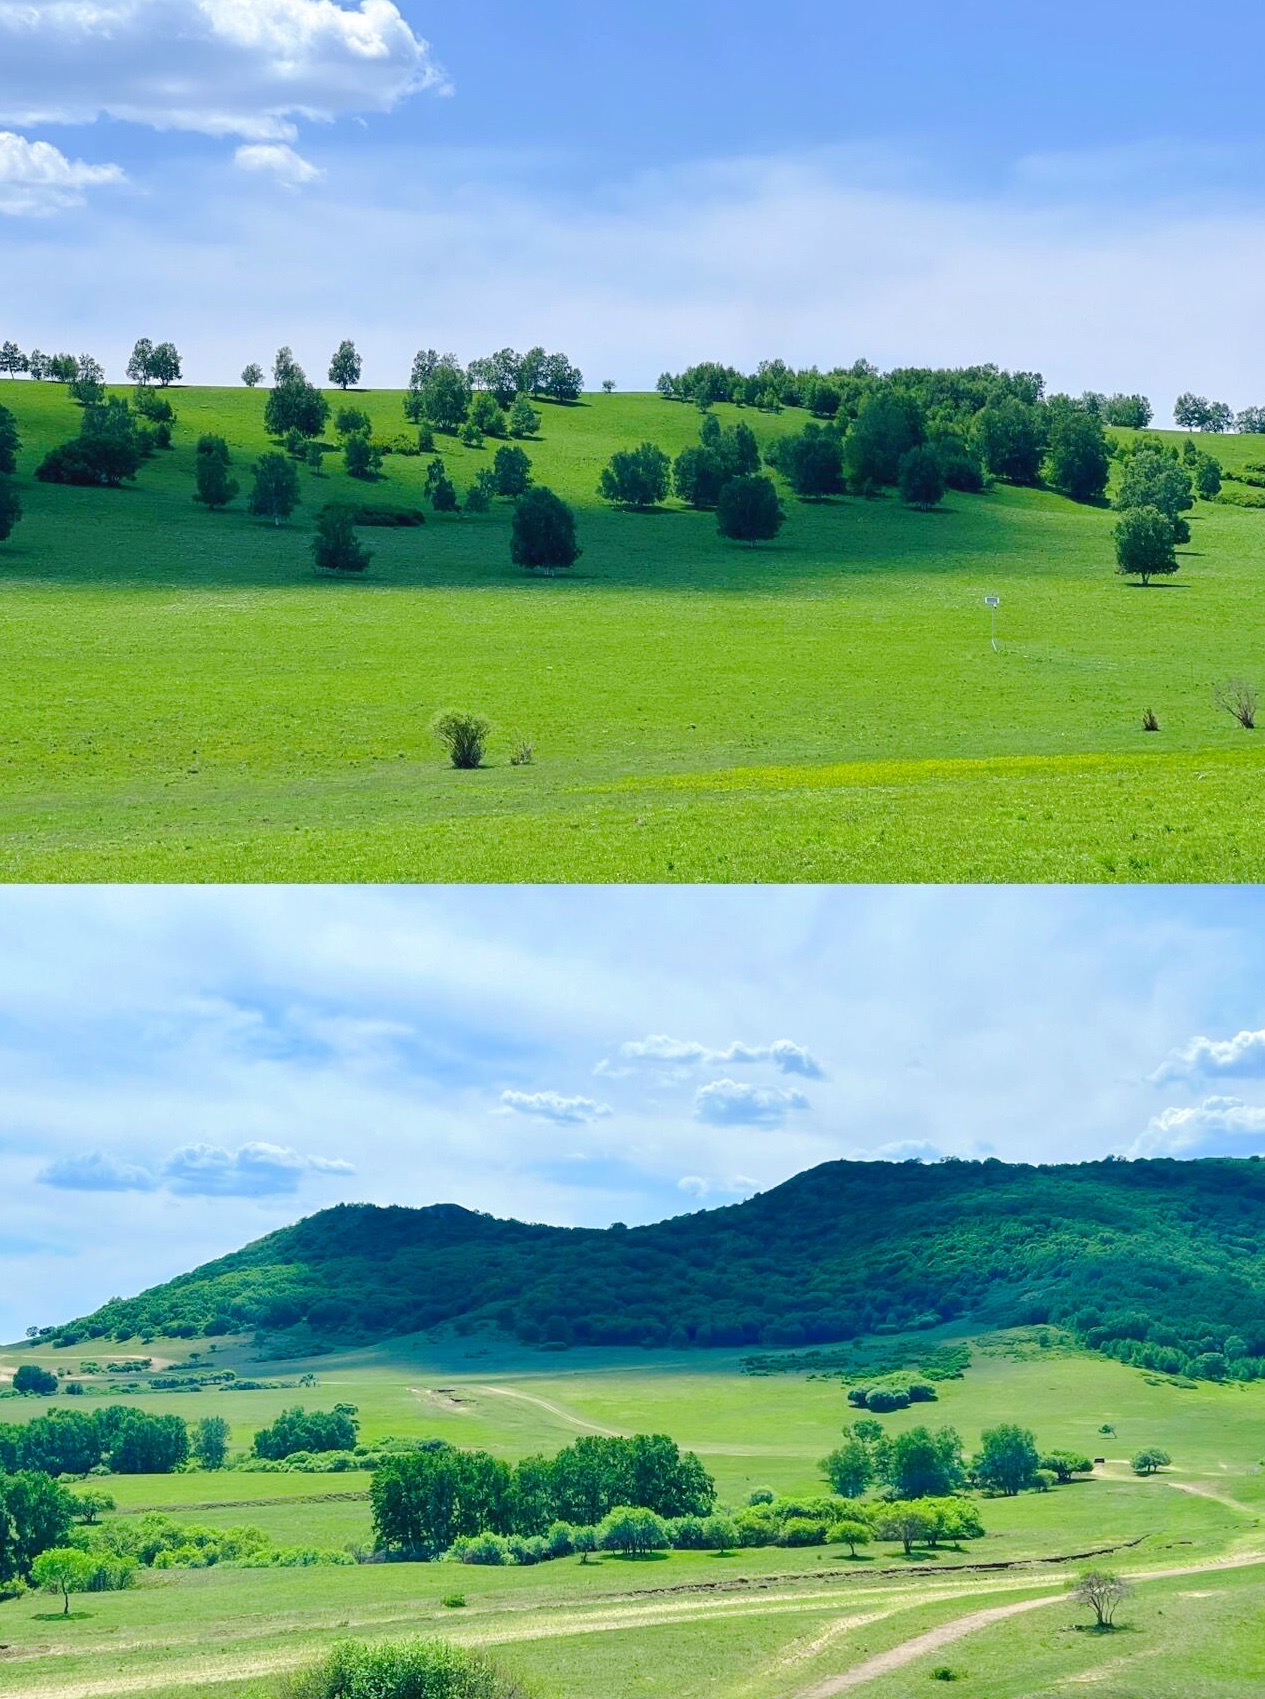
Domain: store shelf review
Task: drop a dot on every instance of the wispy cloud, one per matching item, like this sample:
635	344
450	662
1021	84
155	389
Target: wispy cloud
552	1106
787	1057
279	161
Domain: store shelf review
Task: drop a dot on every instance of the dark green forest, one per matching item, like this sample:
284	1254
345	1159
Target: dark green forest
1159	1262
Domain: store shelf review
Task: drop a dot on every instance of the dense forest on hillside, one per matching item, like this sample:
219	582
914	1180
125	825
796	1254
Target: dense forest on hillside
1158	1262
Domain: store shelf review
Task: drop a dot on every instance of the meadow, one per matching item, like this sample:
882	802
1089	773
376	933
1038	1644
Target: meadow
769	1621
185	698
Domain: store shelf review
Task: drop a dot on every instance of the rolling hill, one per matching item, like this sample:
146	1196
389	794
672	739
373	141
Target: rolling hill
1157	1262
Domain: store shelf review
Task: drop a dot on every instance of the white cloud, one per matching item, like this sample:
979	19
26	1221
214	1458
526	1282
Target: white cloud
277	160
221	67
1219	1126
788	1058
900	1150
36	178
725	1103
551	1106
255	1170
699	1186
1242	1056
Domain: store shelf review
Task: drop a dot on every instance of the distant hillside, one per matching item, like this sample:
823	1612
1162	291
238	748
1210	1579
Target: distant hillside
1158	1262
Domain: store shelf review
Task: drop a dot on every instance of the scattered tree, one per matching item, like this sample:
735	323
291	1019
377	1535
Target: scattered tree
1008	1459
511	469
636	477
524	421
1077	460
1103	1592
361	456
1144	544
698	476
1065	1464
64	1570
1208	477
252	375
92	1504
336	547
215	487
748	510
210	1442
542	535
297	1429
33	1377
1011	439
850	1533
276	490
13	360
608	386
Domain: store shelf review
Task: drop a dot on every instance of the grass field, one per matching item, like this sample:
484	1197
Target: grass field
783	1623
185	699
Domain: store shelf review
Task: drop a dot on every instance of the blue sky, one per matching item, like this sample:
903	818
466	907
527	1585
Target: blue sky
1072	187
182	1070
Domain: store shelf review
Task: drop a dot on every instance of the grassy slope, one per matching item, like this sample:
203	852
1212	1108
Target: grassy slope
221	1631
185	700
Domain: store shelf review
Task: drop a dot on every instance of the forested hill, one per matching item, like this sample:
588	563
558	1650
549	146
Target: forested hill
1161	1262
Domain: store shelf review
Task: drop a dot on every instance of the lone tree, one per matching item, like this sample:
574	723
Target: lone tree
851	1534
542	535
1103	1592
252	375
1144	544
276	492
210	1442
464	736
336	547
748	510
636	477
10	508
64	1570
344	368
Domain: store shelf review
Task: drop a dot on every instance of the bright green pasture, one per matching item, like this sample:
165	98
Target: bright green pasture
783	1620
186	700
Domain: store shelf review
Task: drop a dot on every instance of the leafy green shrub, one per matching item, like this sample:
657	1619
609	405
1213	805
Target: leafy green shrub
801	1531
408	1669
464	736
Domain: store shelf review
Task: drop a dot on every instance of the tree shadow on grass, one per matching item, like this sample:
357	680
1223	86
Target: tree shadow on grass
62	1616
638	1557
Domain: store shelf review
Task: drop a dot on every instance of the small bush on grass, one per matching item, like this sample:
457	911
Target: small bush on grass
404	1669
464	736
1238	699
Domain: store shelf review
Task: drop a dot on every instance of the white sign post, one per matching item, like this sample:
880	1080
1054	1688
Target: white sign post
992	603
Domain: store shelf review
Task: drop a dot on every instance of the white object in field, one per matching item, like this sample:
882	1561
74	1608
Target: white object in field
992	603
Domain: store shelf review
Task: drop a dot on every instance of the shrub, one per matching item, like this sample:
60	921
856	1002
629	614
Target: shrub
90	460
32	1377
481	1549
802	1531
408	1669
1238	699
464	736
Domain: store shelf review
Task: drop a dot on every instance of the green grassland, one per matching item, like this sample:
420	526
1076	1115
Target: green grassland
755	1622
186	699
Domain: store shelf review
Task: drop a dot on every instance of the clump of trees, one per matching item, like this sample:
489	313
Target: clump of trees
1197	413
152	362
408	1669
1154	493
73	1442
926	1463
424	1501
492	395
297	1429
636	477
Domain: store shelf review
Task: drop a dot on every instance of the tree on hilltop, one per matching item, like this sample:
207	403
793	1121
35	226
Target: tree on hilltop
344	368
